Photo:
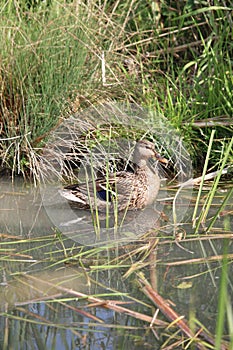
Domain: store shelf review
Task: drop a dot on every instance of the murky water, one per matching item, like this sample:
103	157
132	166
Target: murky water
34	273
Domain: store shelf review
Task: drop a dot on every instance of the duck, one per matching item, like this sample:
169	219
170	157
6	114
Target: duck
122	190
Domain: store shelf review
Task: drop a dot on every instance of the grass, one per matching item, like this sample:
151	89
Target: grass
224	302
42	64
59	58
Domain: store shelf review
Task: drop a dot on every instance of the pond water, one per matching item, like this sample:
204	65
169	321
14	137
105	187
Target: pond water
46	274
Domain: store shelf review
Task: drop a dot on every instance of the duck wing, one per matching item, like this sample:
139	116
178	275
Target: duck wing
124	190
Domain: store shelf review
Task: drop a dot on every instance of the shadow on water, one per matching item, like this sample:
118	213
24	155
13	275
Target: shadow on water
39	307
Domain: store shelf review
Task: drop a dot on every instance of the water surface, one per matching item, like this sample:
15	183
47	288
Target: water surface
37	310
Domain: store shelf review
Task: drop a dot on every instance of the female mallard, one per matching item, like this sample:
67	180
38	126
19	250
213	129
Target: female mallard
123	189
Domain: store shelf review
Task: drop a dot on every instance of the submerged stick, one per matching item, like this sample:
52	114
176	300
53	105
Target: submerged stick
108	304
163	306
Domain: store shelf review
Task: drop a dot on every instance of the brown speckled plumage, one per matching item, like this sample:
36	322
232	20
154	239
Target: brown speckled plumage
125	190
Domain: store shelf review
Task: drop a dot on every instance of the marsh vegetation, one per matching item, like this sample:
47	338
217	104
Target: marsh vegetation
65	61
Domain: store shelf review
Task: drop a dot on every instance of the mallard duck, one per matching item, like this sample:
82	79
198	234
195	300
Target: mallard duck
123	189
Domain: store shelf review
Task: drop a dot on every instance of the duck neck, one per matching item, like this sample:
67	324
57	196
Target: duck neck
140	163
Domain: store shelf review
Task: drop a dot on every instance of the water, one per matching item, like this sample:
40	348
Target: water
41	271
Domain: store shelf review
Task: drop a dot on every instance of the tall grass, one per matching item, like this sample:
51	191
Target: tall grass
224	303
58	57
42	67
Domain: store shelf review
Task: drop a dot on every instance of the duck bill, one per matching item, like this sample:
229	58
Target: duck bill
161	159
